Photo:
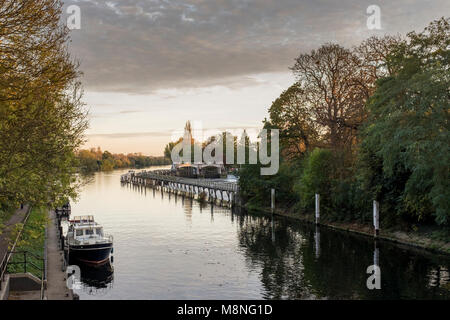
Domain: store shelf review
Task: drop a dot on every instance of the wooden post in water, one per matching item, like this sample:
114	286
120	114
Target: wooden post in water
376	217
317	208
272	202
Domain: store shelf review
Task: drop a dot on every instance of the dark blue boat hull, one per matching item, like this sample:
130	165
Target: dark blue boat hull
92	254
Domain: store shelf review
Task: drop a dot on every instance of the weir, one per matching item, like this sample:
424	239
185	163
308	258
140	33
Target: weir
214	190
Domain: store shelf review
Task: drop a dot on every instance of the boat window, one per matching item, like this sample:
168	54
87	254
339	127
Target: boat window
89	232
99	231
79	232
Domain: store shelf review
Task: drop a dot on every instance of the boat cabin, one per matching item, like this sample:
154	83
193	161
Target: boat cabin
84	229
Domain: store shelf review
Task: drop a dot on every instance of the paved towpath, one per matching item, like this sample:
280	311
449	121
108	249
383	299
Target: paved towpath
56	280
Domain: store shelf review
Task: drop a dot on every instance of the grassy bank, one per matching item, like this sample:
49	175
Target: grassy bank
32	241
431	239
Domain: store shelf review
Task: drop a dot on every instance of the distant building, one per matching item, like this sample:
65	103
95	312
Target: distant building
207	171
211	171
187	170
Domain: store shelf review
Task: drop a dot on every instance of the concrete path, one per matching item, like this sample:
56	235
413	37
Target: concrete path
25	295
56	280
5	236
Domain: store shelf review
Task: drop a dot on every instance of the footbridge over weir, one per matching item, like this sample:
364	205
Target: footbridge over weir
223	190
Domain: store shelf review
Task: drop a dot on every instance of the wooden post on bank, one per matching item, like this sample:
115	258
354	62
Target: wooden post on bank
376	217
317	208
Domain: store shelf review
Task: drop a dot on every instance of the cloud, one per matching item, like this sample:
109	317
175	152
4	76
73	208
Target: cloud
114	113
121	135
169	133
129	111
139	46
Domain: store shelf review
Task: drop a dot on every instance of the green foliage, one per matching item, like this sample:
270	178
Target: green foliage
397	147
289	114
256	188
350	202
42	117
405	148
315	178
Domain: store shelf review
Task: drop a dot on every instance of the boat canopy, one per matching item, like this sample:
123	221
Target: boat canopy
83	220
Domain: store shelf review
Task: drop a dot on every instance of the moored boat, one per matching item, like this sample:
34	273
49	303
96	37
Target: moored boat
86	242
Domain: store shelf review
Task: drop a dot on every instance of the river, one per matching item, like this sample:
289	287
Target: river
167	247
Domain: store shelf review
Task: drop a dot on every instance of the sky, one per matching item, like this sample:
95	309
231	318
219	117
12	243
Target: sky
150	65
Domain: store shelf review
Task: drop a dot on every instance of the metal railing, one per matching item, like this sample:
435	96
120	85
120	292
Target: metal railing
219	185
105	239
27	263
44	274
7	257
3	268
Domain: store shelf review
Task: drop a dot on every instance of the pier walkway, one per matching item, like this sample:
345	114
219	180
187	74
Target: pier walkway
214	189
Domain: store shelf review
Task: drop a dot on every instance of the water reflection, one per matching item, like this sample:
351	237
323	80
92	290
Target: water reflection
97	280
299	262
178	248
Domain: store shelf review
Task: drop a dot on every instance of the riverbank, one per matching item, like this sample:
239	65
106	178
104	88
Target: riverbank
422	240
88	172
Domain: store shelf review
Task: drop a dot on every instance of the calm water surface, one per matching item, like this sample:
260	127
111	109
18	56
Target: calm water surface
167	247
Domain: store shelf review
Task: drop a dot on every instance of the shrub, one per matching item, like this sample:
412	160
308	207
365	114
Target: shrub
316	178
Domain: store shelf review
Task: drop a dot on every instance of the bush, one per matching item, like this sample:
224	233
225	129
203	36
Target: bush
255	189
350	202
316	178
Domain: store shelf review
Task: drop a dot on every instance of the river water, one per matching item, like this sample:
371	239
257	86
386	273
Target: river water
167	247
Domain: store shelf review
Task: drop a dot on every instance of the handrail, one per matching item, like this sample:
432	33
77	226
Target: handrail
44	274
105	239
7	257
26	262
223	185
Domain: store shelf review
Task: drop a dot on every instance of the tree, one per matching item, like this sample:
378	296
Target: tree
33	50
334	84
405	152
169	147
316	178
331	84
374	54
42	117
291	115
